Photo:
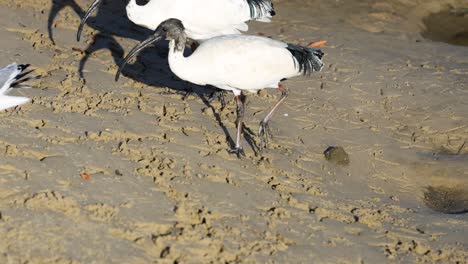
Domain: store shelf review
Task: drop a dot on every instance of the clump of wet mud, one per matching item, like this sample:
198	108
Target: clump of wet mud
449	200
337	155
450	26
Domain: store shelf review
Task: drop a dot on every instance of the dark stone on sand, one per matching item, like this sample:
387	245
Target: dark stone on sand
447	200
337	155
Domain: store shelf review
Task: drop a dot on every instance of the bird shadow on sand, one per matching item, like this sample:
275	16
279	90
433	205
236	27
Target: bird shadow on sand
57	6
151	68
110	17
151	65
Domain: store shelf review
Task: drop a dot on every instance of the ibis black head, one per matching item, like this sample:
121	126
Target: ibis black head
171	29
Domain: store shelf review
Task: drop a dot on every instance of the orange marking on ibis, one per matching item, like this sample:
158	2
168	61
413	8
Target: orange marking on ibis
316	44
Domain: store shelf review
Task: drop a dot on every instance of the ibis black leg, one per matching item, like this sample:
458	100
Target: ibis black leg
220	96
264	130
187	92
239	122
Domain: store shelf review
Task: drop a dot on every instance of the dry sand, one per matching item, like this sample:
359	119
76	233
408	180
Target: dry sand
162	187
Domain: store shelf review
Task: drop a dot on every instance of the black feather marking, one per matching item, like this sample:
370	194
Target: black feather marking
261	9
306	60
22	68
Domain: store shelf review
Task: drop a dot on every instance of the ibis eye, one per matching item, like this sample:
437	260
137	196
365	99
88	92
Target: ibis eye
164	29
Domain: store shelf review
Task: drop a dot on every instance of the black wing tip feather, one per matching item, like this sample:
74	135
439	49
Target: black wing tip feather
272	11
261	9
319	53
23	76
306	60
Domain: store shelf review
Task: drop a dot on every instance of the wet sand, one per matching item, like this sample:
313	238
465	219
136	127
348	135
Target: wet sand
162	186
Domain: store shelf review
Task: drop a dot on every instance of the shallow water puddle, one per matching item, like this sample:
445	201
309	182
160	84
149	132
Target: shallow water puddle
450	26
449	200
444	181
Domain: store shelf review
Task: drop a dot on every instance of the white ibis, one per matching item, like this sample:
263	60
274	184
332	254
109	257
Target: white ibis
235	63
203	19
10	77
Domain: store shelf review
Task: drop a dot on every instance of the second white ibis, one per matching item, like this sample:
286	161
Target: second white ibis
203	19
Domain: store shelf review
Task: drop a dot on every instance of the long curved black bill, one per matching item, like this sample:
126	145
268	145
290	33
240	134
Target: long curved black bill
88	13
136	50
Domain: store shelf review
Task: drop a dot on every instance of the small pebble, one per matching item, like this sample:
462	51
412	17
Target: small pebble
85	176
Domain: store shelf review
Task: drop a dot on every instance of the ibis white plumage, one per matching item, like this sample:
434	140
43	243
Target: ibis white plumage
203	19
236	63
10	77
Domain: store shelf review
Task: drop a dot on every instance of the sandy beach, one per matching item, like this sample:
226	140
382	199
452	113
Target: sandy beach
137	171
